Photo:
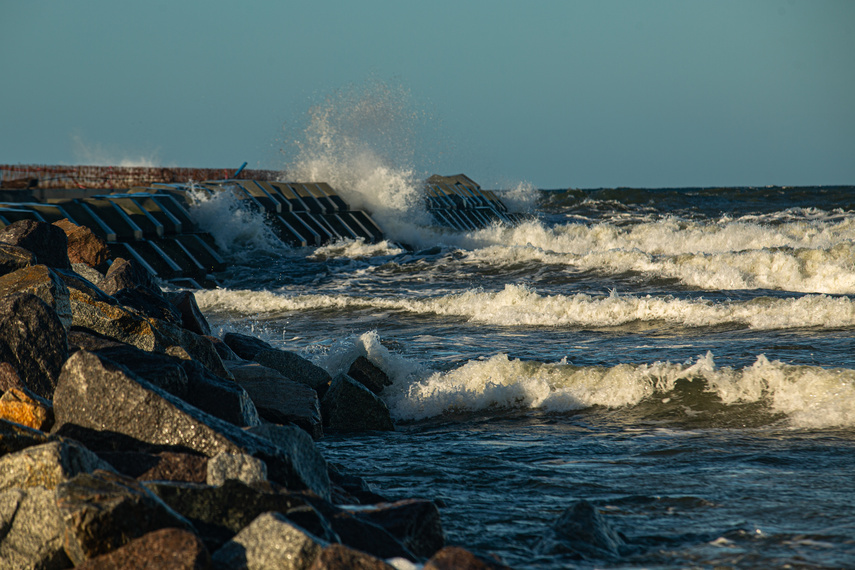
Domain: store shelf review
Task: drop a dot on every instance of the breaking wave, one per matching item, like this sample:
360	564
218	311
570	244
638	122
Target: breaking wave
518	305
808	397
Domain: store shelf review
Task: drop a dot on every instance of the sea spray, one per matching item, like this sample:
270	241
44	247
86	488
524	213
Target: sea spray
237	228
361	142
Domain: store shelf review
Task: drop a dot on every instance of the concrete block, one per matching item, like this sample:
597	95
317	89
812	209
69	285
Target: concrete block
116	218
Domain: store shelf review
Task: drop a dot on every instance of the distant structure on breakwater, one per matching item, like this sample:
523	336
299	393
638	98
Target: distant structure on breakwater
143	213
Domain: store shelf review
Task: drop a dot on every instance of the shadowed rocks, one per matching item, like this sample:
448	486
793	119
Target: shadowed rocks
33	341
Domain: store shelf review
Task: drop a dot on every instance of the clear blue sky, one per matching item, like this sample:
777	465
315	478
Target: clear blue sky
556	93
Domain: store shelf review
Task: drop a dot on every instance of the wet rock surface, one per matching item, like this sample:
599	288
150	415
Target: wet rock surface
170	447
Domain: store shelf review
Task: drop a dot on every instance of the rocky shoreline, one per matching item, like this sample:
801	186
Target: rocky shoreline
132	437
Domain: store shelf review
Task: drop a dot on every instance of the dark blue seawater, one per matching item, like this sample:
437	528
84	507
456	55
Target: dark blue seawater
681	359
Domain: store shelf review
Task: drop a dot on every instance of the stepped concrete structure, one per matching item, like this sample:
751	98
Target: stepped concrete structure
149	220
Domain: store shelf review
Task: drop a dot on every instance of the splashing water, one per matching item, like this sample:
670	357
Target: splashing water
360	141
237	229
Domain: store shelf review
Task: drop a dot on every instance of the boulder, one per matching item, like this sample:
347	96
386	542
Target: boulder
164	549
47	465
340	557
308	463
366	373
31	530
24	407
46	241
295	367
348	406
146	303
33	341
74	280
218	513
102	511
162	466
113	321
9	378
278	399
161	370
352	490
187	380
271	541
226	353
89	273
583	532
362	534
197	346
15	437
415	522
13	258
45	284
124	274
98	397
84	247
456	558
86	339
244	345
192	318
238	466
219	397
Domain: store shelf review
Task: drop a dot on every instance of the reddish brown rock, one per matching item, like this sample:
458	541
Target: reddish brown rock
340	557
456	558
102	511
164	549
9	377
163	466
84	246
19	407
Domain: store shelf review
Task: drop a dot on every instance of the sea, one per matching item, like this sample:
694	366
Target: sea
680	359
677	363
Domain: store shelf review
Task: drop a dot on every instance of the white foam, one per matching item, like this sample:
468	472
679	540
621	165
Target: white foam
804	256
355	249
237	228
517	305
811	397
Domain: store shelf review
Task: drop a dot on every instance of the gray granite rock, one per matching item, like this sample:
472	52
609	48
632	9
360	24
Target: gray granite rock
100	398
47	465
33	341
270	542
278	399
31	530
238	466
348	406
102	511
45	284
295	367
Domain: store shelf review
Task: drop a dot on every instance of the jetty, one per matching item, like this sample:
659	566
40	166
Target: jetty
144	213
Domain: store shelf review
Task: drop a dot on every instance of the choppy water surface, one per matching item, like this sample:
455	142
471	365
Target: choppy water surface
681	358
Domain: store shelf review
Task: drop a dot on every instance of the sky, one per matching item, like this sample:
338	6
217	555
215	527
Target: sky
557	94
